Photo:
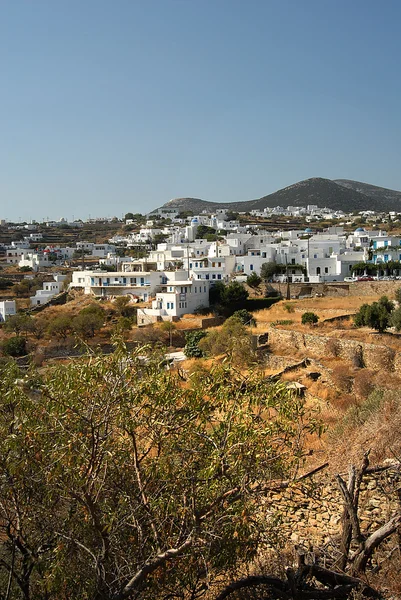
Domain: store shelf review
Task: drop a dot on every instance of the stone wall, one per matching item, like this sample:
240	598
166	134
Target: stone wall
372	356
310	511
358	288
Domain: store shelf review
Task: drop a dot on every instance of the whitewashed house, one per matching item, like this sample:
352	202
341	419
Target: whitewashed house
49	290
141	285
7	309
178	296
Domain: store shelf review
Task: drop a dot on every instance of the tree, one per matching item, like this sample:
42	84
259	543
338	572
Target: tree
309	318
169	327
395	319
122	305
5	283
118	482
15	346
17	323
253	280
192	339
267	270
234	293
233	339
397	295
86	323
244	316
60	326
376	315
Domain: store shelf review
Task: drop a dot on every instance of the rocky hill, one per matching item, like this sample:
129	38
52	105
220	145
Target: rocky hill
341	194
391	198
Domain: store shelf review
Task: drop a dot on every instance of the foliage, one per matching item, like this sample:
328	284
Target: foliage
192	339
25	269
244	316
18	323
395	319
5	283
267	270
108	268
233	293
118	482
60	326
362	268
122	304
87	322
376	315
233	339
397	295
253	280
289	307
203	230
309	318
14	346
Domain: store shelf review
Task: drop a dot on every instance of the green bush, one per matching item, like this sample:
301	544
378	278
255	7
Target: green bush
244	316
15	346
253	280
309	318
192	339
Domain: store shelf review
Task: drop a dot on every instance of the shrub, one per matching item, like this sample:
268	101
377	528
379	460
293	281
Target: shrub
5	283
244	316
253	280
333	347
289	307
60	326
309	318
192	339
376	315
15	346
87	323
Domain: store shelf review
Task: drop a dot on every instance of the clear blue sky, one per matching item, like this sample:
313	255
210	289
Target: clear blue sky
116	106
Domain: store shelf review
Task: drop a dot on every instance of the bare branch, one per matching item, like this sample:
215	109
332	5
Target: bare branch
373	541
151	566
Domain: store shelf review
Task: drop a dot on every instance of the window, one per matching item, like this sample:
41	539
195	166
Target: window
172	304
315	256
218	276
385	257
213	264
196	290
326	269
251	267
190	265
213	276
317	270
168	305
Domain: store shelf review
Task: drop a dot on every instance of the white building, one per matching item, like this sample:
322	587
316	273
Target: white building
178	296
7	309
141	284
49	290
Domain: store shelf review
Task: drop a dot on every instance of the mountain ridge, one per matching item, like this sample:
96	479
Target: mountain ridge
340	194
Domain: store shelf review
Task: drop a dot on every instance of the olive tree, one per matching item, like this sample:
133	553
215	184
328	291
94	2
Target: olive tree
117	480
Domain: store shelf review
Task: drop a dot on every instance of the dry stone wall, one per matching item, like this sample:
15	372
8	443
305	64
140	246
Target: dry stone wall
310	511
372	356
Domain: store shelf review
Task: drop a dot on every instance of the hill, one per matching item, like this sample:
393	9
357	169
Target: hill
341	194
390	198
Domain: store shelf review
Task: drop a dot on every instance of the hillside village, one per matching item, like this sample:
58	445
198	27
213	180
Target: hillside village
222	298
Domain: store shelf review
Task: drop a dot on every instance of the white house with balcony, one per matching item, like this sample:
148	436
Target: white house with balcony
141	285
7	309
178	296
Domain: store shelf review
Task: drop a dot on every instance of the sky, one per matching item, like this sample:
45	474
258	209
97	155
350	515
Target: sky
118	106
